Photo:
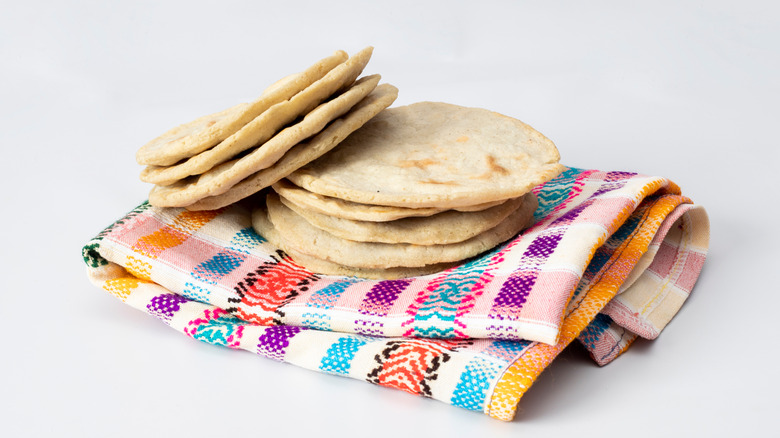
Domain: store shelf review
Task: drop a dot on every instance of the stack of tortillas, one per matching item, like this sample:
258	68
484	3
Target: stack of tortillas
224	157
415	190
408	191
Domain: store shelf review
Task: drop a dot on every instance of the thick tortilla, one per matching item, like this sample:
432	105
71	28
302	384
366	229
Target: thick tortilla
222	177
299	235
449	226
258	130
382	97
434	155
194	137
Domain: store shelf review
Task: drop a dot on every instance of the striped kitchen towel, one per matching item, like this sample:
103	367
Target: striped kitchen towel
611	256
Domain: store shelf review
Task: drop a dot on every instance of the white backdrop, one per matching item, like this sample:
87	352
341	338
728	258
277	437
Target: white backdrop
687	90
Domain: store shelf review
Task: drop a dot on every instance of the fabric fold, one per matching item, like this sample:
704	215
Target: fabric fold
612	256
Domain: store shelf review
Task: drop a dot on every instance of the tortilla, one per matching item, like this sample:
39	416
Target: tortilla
434	155
257	131
382	97
449	226
265	228
359	212
224	176
299	235
192	138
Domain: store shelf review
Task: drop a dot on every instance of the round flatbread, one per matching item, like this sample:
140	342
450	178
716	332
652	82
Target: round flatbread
379	99
195	137
269	122
358	212
434	155
449	226
301	236
265	228
222	177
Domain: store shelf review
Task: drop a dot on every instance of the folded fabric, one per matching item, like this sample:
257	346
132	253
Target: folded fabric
611	256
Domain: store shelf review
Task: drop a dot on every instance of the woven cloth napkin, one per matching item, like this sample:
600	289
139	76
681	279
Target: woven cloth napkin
611	256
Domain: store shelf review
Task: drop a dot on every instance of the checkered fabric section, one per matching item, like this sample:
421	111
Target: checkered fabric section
612	256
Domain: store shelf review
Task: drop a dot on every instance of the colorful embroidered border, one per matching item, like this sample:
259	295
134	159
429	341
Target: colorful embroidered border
478	374
608	272
517	291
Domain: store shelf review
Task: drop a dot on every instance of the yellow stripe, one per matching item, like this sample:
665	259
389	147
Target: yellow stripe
122	287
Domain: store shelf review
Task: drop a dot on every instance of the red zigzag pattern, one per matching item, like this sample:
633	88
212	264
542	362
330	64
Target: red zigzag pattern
408	366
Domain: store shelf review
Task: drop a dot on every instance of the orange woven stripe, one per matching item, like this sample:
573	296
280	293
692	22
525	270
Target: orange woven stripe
169	236
191	221
521	374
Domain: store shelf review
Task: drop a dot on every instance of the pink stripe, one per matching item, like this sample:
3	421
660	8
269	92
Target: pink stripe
664	260
189	254
547	300
129	233
604	211
691	270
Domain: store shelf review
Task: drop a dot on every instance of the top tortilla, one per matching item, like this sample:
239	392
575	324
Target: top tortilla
264	126
201	134
222	177
433	154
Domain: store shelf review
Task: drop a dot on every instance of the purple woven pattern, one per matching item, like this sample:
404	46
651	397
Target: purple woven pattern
515	290
382	295
376	305
275	340
165	305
